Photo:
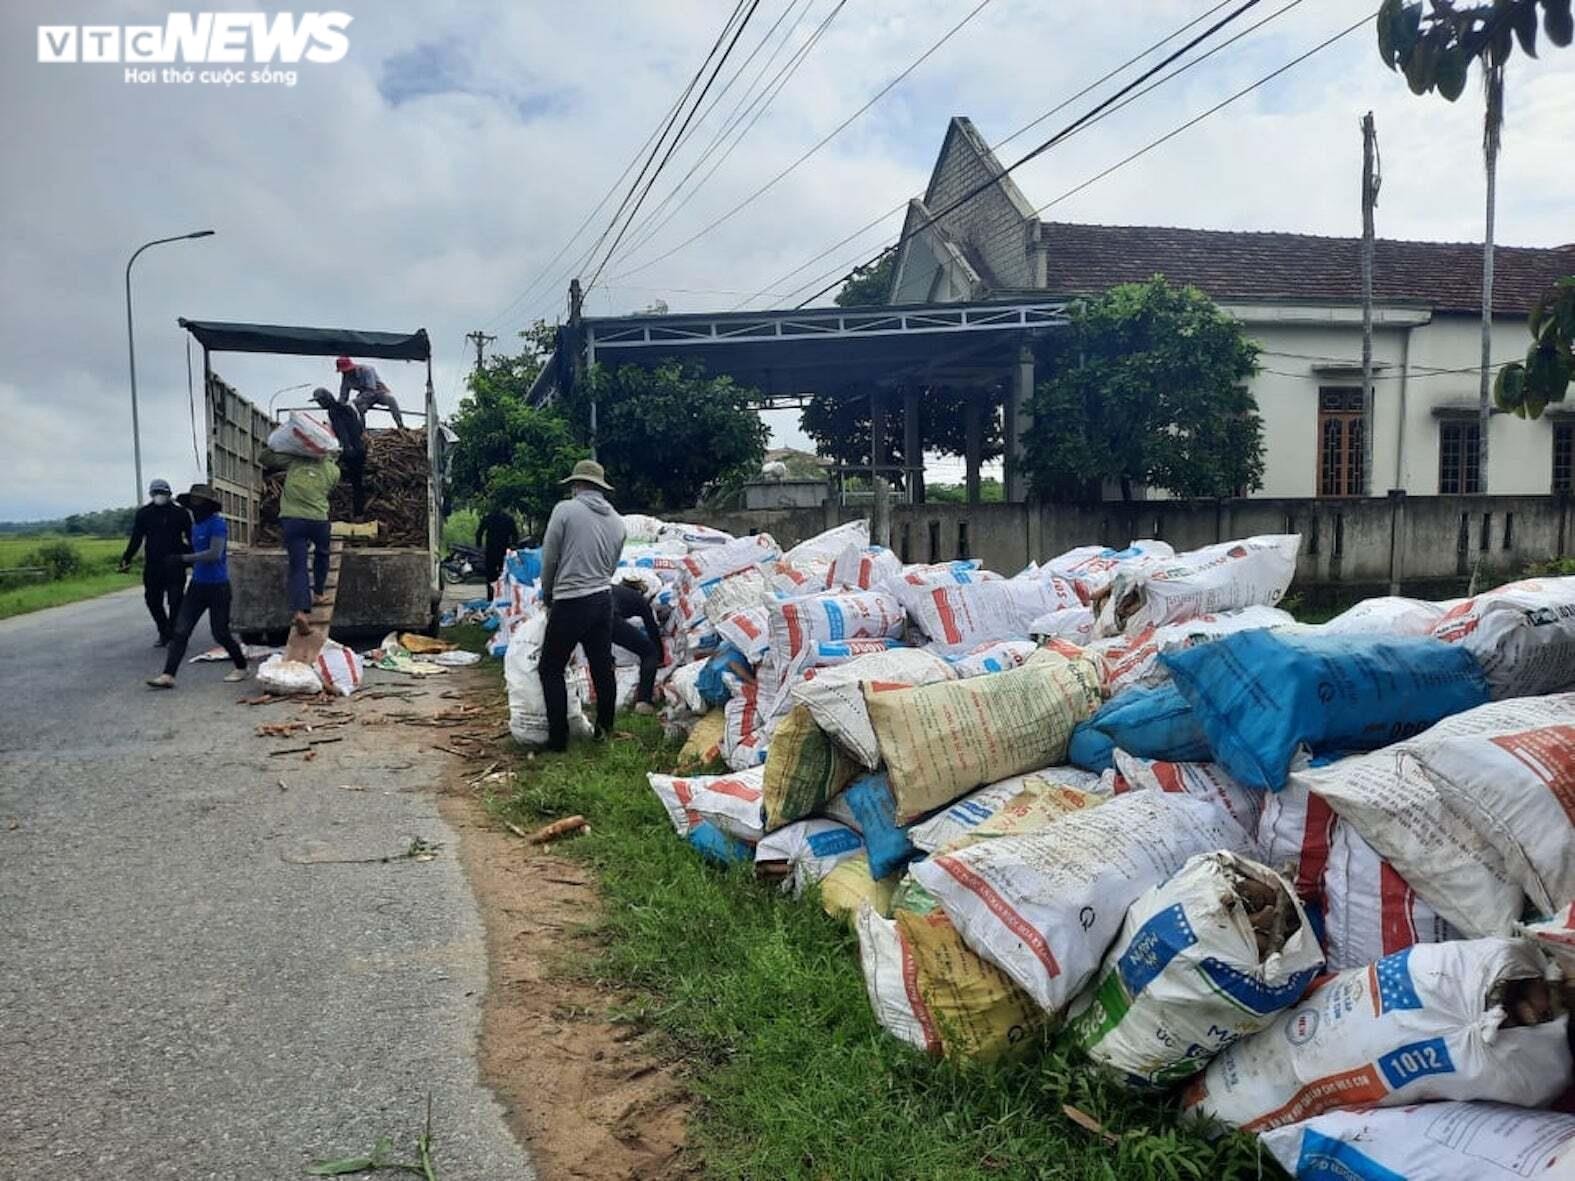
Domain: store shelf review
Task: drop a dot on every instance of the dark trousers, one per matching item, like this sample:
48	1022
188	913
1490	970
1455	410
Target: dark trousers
587	622
298	533
163	585
214	598
632	638
353	469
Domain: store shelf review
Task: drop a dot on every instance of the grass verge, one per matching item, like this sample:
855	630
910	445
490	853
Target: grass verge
36	596
762	997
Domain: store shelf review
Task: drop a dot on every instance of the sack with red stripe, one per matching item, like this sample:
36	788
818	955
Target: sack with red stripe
1295	830
1092	567
1128	660
1388	615
731	802
303	435
744	738
836	701
1155	591
824	547
718	561
915	583
1463	1020
1074	624
891	981
1043	906
1518	791
962	616
863	567
748	631
794	580
998	656
1522	634
1369	910
797	625
339	668
1429	1142
1207	781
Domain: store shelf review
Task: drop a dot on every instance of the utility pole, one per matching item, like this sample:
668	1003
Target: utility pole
481	340
1371	179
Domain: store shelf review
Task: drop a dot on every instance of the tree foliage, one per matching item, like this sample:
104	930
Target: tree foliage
665	434
1147	387
1526	389
509	455
840	424
870	284
1435	49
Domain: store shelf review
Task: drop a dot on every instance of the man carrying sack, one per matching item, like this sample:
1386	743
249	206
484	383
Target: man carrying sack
578	557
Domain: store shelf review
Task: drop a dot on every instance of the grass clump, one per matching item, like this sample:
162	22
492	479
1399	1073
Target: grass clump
762	997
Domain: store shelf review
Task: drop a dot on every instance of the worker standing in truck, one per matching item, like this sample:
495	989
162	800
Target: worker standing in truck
578	556
369	390
165	528
303	520
210	587
351	433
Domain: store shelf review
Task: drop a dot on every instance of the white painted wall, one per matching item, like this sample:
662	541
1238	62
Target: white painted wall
1520	452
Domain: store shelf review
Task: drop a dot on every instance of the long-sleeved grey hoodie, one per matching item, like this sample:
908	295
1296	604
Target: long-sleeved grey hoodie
580	552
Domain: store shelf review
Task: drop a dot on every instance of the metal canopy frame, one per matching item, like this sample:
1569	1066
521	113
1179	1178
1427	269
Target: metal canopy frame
741	328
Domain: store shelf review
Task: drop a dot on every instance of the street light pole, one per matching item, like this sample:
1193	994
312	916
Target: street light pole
131	350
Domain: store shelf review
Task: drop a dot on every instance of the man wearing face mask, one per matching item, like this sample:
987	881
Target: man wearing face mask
209	590
166	529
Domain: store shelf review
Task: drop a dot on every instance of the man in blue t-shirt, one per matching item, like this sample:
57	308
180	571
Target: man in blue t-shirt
209	589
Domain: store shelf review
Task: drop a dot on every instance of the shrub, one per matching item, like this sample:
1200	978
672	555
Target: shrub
60	559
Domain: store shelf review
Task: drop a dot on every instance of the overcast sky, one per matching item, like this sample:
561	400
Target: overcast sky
427	179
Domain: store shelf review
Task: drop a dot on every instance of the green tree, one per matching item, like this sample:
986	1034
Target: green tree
1526	389
1147	387
870	284
510	455
666	434
1435	51
840	424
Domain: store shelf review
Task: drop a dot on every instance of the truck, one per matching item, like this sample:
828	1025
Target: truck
393	585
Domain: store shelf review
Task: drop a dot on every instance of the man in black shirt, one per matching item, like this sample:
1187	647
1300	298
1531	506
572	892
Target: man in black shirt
351	433
629	602
165	527
496	535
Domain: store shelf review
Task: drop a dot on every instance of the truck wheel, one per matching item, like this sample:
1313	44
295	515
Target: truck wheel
436	614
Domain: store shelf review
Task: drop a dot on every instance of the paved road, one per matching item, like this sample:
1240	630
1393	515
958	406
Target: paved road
176	998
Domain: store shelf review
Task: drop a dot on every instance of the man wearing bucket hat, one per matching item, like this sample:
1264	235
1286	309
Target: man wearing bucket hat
369	388
166	529
209	590
578	556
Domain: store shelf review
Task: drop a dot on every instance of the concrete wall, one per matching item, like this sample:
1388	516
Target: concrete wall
1427	543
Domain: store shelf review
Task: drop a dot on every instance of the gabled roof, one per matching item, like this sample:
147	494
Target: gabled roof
1243	266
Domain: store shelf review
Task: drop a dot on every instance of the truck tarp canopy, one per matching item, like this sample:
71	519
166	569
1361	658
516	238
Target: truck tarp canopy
309	342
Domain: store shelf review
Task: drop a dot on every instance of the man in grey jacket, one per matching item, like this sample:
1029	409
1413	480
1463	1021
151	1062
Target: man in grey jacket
578	557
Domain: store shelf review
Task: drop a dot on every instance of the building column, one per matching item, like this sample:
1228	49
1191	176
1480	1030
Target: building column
1019	417
973	444
912	444
877	432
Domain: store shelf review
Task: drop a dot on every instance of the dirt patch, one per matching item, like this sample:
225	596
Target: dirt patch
588	1097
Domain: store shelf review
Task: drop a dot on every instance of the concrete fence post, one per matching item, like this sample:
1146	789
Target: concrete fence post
1396	538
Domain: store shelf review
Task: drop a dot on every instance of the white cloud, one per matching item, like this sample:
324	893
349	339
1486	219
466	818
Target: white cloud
335	205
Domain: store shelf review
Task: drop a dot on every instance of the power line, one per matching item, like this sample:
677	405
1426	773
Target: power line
1064	103
530	288
1152	144
760	105
633	212
1069	129
747	101
706	229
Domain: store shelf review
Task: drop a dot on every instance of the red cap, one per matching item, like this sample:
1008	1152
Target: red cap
344	364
